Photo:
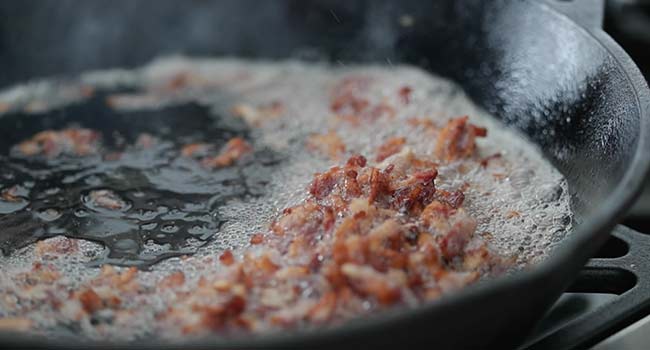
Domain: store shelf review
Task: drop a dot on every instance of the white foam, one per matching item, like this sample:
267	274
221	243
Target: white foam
526	210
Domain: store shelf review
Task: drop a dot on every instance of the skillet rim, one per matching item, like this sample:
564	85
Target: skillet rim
597	225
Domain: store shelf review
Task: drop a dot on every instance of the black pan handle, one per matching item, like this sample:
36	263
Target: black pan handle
587	13
624	271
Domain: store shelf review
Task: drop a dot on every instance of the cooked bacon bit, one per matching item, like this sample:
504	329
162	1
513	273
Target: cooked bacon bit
348	118
56	246
10	194
381	110
390	147
87	91
195	149
234	149
90	301
476	258
178	81
255	116
416	192
512	214
346	97
227	258
486	235
123	281
292	272
257	238
222	285
329	144
303	219
127	276
323	184
370	282
106	199
486	160
457	139
425	123
324	309
15	324
29	148
132	100
349	103
434	212
214	317
352	83
454	199
4	107
265	264
174	280
453	242
112	156
379	185
45	273
272	109
356	161
405	94
71	141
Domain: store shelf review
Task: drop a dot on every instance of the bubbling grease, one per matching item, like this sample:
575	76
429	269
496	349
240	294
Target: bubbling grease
521	202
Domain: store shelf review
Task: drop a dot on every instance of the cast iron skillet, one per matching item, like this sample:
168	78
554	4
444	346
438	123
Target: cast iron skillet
545	68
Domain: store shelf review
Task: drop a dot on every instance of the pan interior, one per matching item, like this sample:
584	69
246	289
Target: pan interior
170	204
532	69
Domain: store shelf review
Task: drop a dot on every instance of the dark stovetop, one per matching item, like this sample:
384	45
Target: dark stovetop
608	307
611	293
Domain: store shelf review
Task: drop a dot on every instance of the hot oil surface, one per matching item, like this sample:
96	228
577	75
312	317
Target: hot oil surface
170	204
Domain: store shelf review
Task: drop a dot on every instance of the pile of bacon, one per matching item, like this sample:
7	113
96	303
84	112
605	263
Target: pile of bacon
366	238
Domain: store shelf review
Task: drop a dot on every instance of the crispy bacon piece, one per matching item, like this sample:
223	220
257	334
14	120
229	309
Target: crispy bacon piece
324	309
453	227
256	116
380	110
486	160
379	185
234	149
57	246
416	192
90	301
405	94
368	281
390	147
195	150
227	258
457	139
348	104
257	238
346	97
10	194
454	199
214	317
174	280
106	199
4	107
425	123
